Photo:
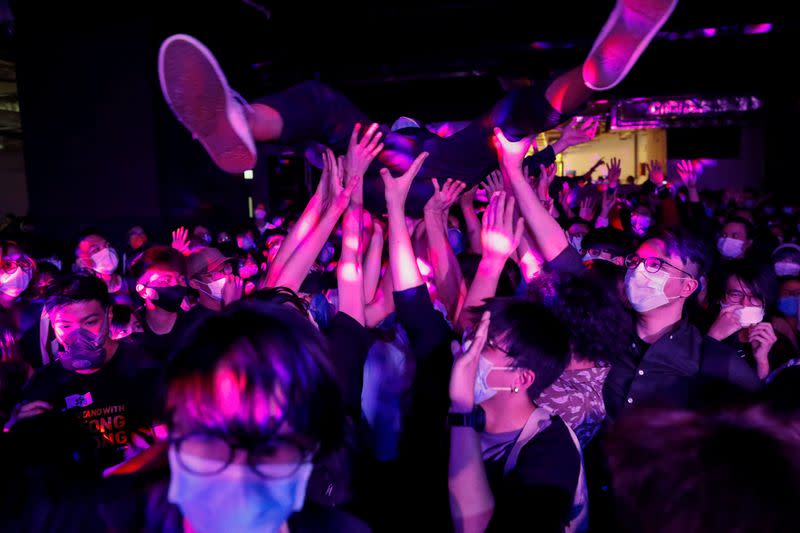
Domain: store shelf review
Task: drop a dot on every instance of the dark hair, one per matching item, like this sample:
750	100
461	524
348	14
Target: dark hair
281	296
612	240
577	220
264	349
590	309
759	278
678	471
533	336
76	288
121	315
690	248
748	226
159	256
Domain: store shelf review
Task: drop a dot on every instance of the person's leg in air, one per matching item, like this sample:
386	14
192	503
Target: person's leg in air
228	127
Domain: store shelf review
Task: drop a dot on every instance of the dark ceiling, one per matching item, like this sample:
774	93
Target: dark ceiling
441	60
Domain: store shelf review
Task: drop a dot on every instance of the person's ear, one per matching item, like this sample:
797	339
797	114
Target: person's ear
524	380
689	287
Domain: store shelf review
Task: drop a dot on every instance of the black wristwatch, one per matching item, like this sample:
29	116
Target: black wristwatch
475	419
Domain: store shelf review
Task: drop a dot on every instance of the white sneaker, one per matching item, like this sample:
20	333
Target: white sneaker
198	93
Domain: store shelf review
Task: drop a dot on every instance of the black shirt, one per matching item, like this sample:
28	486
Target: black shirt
114	403
161	346
540	489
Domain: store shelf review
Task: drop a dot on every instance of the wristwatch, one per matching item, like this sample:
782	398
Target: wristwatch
475	419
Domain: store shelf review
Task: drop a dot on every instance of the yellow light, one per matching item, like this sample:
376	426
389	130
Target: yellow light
248	174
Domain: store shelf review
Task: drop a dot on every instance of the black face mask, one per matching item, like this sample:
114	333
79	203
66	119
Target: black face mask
170	298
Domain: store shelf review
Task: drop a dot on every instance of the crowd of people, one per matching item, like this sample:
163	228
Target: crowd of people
448	336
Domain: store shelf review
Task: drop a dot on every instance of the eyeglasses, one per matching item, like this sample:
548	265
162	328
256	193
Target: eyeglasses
651	264
208	454
9	266
738	297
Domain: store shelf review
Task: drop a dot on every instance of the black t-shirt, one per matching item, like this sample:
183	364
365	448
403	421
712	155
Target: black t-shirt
120	400
162	346
540	490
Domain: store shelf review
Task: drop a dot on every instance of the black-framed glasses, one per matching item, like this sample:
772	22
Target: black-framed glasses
208	454
9	266
738	297
651	264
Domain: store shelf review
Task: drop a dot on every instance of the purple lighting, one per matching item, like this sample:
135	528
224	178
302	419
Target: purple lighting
709	32
756	29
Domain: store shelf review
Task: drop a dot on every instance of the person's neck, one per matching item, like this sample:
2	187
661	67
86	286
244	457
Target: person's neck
210	303
653	325
159	321
111	349
505	416
580	364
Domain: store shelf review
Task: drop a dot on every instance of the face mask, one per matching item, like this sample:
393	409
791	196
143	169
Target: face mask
640	224
645	290
237	500
748	315
576	241
215	288
105	261
83	350
260	214
787	268
170	298
482	390
456	239
730	248
788	305
13	285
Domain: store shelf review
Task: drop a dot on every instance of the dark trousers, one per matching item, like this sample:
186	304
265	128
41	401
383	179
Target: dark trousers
314	113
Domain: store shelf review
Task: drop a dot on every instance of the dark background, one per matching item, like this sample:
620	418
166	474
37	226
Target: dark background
101	147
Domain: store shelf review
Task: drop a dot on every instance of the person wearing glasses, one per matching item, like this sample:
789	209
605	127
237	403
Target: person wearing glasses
745	298
252	402
16	272
669	357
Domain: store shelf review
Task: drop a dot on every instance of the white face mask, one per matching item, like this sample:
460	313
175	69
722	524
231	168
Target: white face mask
237	500
787	268
747	316
730	248
215	288
105	261
645	290
482	389
14	284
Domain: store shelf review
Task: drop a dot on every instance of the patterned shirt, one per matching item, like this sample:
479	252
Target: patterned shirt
577	397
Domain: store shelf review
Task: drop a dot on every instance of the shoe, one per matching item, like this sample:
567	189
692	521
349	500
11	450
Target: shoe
198	93
630	28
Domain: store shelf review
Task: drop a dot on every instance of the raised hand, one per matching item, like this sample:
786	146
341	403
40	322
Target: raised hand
233	289
577	132
510	153
493	184
396	189
563	200
501	233
360	153
687	173
467	199
726	324
444	198
180	240
546	177
588	209
465	367
614	172
609	201
656	173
